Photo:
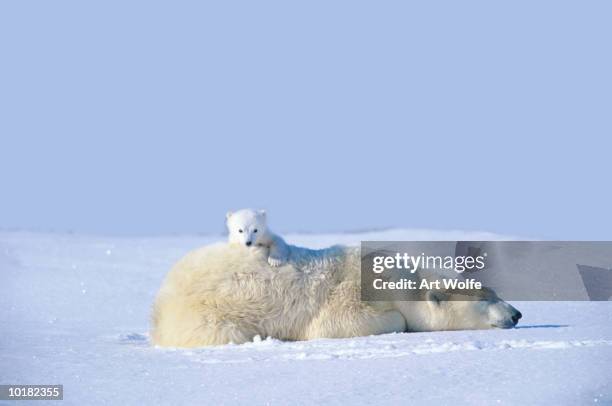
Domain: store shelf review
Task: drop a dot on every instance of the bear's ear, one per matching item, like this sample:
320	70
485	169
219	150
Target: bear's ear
228	215
262	213
435	297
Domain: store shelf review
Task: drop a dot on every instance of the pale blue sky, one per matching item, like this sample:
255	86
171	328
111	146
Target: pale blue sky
122	117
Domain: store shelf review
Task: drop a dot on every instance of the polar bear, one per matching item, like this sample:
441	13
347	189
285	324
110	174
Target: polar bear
226	293
250	227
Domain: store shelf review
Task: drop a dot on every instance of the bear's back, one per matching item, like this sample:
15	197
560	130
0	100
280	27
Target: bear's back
228	284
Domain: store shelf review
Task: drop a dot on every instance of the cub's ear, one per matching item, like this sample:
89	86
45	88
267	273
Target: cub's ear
435	297
262	213
228	215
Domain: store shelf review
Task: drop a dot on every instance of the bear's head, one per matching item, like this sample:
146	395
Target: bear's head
459	310
246	226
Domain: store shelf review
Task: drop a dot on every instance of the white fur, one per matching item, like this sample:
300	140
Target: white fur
228	293
249	227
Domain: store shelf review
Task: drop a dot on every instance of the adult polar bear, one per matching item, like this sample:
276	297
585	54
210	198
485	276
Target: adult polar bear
228	293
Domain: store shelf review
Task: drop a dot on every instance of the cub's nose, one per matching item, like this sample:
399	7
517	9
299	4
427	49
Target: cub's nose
516	317
248	243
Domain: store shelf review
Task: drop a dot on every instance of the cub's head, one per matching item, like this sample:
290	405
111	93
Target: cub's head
246	226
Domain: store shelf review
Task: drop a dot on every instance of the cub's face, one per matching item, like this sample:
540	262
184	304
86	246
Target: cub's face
246	226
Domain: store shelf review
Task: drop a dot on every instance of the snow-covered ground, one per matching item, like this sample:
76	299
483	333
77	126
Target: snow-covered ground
74	310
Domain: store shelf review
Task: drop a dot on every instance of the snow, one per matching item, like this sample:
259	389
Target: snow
75	311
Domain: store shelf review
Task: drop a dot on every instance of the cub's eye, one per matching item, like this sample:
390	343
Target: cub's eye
255	230
240	230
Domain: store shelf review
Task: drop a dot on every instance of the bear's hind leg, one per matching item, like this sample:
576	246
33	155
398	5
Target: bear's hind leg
223	332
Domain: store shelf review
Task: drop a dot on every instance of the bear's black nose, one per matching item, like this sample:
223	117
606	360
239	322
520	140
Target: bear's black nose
516	317
248	243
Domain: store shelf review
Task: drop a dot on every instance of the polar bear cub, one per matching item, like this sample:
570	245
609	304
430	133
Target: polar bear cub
249	227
